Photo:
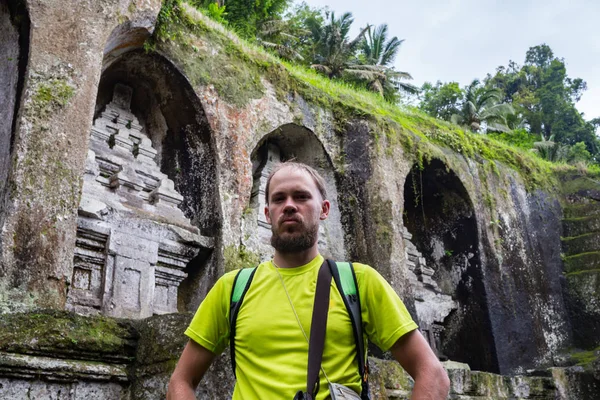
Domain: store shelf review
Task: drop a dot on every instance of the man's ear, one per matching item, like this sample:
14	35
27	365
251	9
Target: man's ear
267	215
325	206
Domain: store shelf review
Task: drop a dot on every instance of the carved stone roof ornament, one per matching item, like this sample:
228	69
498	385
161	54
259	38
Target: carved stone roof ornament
133	243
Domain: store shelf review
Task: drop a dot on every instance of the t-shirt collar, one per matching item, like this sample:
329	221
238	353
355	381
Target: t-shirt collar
314	263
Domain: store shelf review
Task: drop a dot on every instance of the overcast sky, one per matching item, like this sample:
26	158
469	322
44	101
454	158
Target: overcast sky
459	40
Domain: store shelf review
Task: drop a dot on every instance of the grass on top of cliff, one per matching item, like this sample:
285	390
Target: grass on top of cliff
210	54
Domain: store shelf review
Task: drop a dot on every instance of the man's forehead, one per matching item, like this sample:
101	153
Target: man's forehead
292	175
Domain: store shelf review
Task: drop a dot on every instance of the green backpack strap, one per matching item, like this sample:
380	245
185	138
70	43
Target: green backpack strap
345	280
240	287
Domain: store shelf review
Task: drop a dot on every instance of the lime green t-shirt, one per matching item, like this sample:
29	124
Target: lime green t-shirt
271	351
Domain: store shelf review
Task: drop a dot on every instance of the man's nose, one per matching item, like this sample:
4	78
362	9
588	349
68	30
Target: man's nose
289	206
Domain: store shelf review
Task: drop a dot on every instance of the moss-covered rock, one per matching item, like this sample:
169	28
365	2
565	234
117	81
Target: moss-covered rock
583	262
581	225
67	335
575	383
161	338
583	302
237	257
579	210
585	243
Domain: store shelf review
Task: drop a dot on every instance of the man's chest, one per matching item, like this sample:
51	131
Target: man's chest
275	317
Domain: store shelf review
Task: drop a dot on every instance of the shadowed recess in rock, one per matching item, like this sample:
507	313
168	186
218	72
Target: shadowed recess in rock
14	53
439	214
151	148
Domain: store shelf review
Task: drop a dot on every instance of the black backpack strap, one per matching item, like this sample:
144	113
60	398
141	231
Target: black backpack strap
241	283
345	280
318	328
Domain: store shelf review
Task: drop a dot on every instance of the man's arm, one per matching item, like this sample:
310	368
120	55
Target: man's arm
414	354
192	365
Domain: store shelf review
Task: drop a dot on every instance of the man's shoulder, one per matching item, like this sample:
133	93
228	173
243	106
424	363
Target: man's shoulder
229	277
362	269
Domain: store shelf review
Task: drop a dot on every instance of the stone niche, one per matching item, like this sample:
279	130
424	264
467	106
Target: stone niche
442	246
133	242
288	142
174	121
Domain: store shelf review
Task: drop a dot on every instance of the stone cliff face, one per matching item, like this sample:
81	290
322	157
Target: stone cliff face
136	178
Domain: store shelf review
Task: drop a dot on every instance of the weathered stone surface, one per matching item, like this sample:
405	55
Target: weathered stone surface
584	243
389	381
582	210
523	279
575	383
173	172
583	301
14	50
132	263
579	226
20	389
32	367
66	335
583	262
38	220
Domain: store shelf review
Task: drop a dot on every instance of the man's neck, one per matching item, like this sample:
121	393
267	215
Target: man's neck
292	260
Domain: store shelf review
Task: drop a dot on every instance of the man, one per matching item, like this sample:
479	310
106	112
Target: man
271	349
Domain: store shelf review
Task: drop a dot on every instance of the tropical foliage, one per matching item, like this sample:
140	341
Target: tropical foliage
537	98
482	105
320	39
531	106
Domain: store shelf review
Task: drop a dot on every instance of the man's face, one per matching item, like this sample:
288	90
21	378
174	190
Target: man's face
294	210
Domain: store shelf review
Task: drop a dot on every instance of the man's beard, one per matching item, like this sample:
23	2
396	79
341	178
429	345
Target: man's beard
295	243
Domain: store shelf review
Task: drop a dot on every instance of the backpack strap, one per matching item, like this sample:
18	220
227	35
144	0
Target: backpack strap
345	280
241	284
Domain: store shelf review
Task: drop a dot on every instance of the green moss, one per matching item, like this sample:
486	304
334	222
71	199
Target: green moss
582	262
209	54
51	95
585	358
584	272
58	332
239	257
205	55
579	237
392	375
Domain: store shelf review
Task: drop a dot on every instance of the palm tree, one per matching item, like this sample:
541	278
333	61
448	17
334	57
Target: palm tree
549	150
276	35
383	80
482	105
333	48
377	49
373	65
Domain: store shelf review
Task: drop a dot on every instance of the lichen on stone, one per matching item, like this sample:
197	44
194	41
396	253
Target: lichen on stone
66	335
237	257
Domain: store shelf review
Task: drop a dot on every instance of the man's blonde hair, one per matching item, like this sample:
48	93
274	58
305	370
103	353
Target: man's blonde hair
317	178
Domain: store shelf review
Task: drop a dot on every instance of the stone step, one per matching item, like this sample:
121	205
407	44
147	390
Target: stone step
582	210
581	225
586	243
390	381
582	262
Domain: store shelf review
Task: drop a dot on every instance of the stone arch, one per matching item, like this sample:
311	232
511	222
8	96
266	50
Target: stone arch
149	215
441	240
14	56
291	141
128	36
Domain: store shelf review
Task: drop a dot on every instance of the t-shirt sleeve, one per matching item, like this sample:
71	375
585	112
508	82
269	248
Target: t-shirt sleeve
210	325
385	317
